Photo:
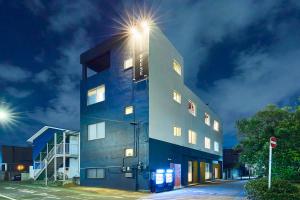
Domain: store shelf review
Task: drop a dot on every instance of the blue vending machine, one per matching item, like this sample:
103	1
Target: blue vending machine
169	176
158	183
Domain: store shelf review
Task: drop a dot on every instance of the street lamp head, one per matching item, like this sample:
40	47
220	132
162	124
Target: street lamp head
4	115
140	28
134	32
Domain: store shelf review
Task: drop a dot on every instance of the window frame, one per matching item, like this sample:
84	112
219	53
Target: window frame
195	108
96	170
192	137
129	107
96	134
218	145
125	62
207	119
207	139
177	67
176	96
96	89
218	126
177	131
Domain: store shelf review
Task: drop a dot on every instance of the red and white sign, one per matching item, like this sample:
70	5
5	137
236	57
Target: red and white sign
273	142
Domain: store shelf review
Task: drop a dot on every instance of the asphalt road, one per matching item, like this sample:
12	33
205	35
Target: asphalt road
17	191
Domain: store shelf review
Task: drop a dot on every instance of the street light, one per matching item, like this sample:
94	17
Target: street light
7	115
4	115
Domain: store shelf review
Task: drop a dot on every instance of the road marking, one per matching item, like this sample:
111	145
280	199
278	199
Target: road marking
1	195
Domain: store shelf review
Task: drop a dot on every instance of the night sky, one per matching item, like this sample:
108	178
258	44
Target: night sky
239	55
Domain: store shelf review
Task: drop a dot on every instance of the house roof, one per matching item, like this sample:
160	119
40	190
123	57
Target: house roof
41	131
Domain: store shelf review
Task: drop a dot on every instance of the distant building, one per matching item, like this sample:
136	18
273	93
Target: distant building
14	161
137	116
232	167
55	154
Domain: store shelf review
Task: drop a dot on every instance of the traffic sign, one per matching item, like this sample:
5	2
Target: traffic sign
273	142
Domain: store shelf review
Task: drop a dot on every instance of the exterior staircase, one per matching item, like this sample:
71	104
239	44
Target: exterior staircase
48	163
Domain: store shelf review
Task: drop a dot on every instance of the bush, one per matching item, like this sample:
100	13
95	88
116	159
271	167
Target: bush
280	190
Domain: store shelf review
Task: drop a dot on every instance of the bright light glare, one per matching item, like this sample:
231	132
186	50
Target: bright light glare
7	116
134	32
4	115
145	26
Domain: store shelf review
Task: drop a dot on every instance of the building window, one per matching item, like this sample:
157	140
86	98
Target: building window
207	119
192	107
128	152
95	173
177	67
128	63
96	95
192	137
190	171
216	146
96	131
177	97
128	110
207	143
216	125
207	171
177	131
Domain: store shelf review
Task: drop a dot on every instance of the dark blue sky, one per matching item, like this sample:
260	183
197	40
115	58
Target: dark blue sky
239	55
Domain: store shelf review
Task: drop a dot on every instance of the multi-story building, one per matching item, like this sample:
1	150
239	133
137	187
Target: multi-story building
55	154
137	115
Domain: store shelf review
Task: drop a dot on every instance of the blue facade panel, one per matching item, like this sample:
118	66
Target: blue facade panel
39	144
108	153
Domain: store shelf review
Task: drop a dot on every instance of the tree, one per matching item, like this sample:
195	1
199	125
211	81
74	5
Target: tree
254	134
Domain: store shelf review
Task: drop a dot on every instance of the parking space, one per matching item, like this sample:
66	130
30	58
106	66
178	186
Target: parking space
18	191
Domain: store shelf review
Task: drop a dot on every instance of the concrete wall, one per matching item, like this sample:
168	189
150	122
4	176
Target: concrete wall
164	112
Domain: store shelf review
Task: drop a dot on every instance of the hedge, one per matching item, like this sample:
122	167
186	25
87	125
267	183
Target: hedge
280	190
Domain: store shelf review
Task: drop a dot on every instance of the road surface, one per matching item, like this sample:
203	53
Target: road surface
20	191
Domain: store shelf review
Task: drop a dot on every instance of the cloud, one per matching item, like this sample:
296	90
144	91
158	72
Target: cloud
262	76
35	6
44	76
18	93
69	15
70	53
64	109
12	73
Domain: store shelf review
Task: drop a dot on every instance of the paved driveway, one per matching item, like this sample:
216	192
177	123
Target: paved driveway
224	191
20	191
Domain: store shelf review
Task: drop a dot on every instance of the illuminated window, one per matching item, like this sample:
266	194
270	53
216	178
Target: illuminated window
216	146
192	137
192	107
128	110
177	67
207	171
207	143
216	125
96	95
176	96
96	131
177	131
95	173
190	171
207	119
128	63
128	152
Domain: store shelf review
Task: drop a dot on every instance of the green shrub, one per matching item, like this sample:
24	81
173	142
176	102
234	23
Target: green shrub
280	190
